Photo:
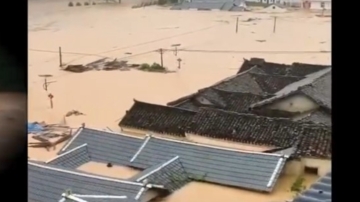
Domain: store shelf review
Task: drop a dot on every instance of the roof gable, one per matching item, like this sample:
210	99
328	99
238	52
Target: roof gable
310	139
170	173
250	170
72	158
316	86
157	118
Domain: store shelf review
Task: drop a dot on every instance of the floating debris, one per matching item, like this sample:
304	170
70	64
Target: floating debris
76	68
75	113
261	40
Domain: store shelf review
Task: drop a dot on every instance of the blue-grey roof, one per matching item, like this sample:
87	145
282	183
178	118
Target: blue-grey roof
317	86
250	170
170	173
73	158
47	183
105	147
320	191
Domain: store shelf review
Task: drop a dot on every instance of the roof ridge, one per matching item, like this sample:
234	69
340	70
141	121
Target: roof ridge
80	129
85	174
66	153
215	147
303	125
277	75
160	105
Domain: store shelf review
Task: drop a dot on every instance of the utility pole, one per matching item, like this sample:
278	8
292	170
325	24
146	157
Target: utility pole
274	30
176	48
60	57
237	25
179	61
161	51
50	96
46	82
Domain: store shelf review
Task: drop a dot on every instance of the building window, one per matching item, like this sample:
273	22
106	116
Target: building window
264	1
271	1
322	4
311	170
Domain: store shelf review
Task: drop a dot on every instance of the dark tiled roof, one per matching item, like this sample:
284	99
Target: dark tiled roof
320	90
272	83
320	191
316	86
72	158
319	116
310	139
102	146
250	170
157	118
255	83
170	173
295	69
47	183
211	97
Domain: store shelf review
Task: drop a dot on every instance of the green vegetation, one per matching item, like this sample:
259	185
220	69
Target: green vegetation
298	186
155	67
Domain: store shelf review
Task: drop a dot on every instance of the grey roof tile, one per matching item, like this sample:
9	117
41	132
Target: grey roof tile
157	118
47	183
72	158
311	140
320	191
319	116
105	146
170	173
220	99
317	86
295	69
250	170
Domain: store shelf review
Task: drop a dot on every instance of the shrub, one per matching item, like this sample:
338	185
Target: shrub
298	185
145	66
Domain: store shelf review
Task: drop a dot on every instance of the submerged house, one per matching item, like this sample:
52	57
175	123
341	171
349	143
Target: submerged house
236	93
55	183
167	165
233	130
308	100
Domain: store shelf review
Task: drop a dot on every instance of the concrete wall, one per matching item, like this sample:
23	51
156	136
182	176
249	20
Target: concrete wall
224	143
322	165
297	167
295	103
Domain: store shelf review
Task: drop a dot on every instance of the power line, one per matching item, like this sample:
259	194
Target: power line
259	52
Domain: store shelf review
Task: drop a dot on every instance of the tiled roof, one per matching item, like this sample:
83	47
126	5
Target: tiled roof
316	86
295	69
170	173
252	81
73	158
260	84
157	118
310	139
211	97
47	183
102	146
250	170
319	116
320	191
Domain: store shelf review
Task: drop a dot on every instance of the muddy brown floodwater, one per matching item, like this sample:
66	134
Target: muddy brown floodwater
115	29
